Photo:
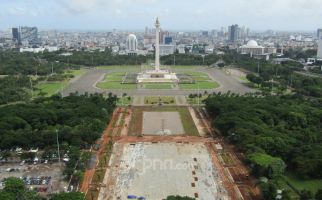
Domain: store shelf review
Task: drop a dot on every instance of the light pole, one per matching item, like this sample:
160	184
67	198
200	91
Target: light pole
58	147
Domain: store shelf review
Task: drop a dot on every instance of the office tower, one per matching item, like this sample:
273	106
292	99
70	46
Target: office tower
233	33
29	34
319	55
15	35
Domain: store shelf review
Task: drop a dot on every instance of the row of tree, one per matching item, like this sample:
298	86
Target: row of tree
272	130
78	119
15	190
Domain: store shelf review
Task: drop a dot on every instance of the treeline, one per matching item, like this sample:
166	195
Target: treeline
272	130
79	121
16	63
15	189
14	88
279	76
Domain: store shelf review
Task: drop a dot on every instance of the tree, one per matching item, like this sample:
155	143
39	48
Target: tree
68	196
318	195
6	196
179	198
14	185
306	195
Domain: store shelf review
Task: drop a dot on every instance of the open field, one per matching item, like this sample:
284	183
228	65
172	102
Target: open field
155	171
114	80
51	88
162	123
196	100
162	99
312	185
76	72
159	86
136	122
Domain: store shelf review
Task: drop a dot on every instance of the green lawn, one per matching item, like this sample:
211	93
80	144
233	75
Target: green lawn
51	88
124	101
158	86
114	81
155	100
243	78
76	72
312	185
200	85
195	99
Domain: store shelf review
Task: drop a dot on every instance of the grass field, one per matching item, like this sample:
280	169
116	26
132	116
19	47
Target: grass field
124	101
158	86
312	185
196	99
163	99
76	72
114	81
135	127
52	88
201	79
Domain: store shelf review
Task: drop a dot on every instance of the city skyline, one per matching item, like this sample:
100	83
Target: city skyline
286	15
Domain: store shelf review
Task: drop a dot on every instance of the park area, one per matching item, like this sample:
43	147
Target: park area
49	88
124	77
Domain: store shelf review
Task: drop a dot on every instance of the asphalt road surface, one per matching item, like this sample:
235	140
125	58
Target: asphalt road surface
87	83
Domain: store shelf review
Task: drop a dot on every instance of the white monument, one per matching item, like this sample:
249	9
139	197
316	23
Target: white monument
157	75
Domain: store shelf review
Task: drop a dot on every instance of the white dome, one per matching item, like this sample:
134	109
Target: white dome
252	43
132	37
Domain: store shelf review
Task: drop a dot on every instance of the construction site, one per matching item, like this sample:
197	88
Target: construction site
152	153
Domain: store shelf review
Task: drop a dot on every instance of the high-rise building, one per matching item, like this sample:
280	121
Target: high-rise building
132	44
15	35
233	33
318	33
319	44
168	40
29	34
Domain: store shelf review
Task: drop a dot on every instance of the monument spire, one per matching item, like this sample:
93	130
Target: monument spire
157	45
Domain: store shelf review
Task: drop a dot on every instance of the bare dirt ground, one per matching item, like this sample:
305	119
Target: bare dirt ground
232	179
162	123
155	171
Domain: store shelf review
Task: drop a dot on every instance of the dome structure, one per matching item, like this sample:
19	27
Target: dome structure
252	43
131	43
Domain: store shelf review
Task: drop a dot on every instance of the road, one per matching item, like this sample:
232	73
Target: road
88	81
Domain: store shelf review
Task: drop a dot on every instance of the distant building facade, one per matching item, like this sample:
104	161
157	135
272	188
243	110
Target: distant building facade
29	34
166	49
254	50
319	55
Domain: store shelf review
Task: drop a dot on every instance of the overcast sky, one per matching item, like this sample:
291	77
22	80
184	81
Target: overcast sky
173	14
